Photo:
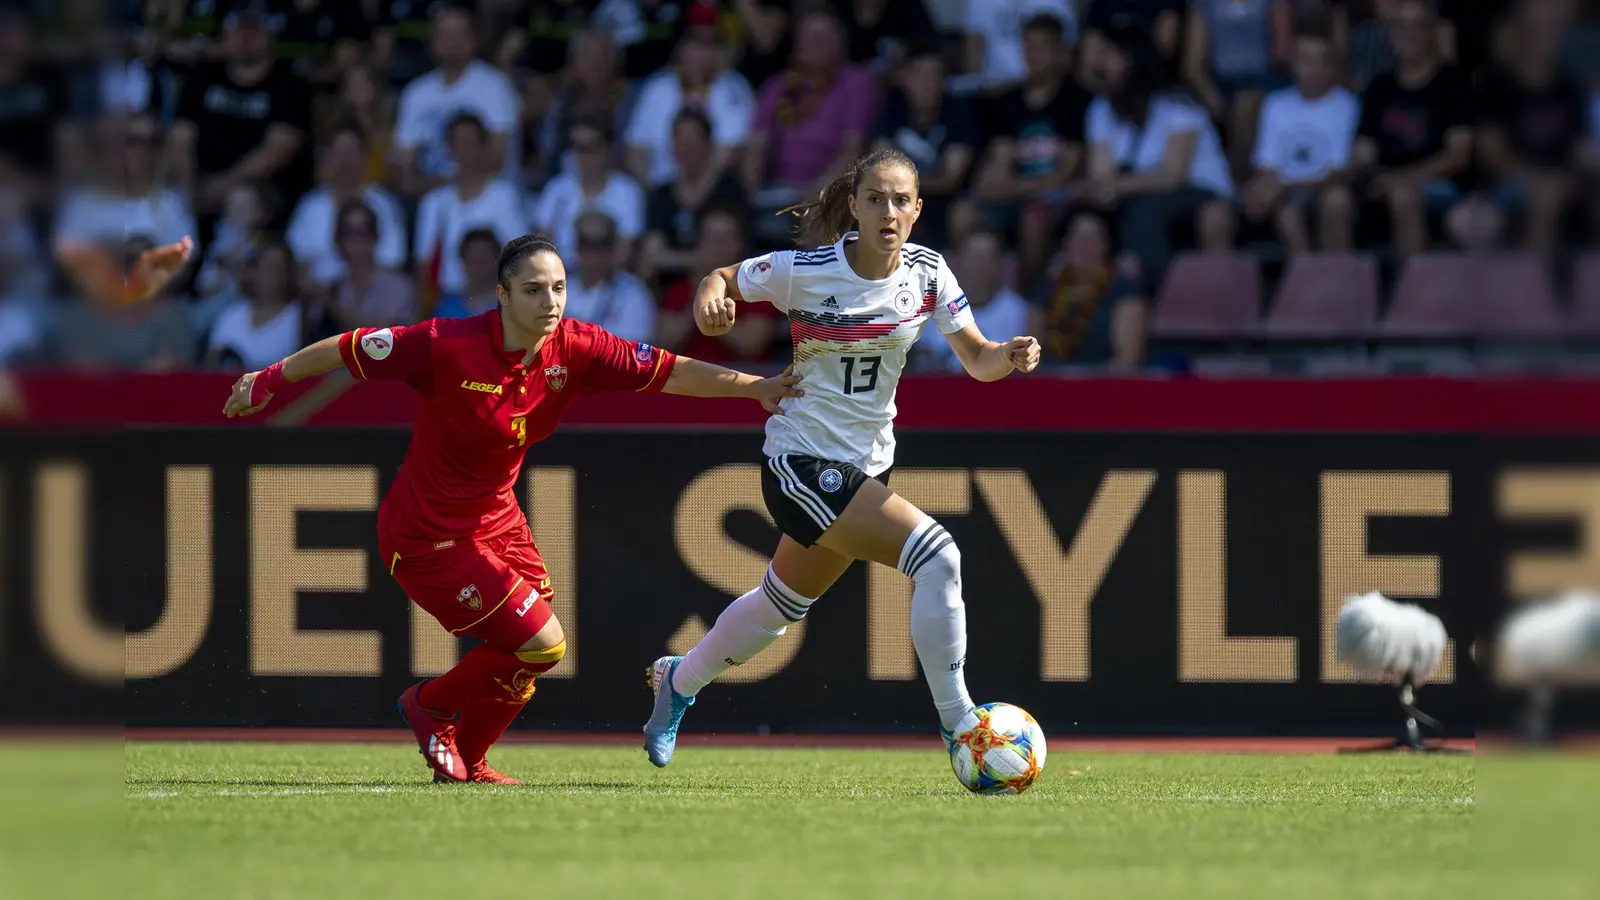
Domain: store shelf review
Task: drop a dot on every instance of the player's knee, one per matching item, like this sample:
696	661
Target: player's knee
551	655
931	555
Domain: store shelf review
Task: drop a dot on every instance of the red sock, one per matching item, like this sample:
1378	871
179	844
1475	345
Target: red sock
481	726
482	674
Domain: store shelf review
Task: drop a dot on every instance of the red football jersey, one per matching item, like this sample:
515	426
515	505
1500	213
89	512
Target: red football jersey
481	409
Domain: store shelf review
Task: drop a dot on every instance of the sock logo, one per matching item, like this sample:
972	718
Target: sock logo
520	687
958	664
732	662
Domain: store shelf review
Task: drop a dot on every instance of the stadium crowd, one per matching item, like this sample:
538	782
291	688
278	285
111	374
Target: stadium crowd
355	162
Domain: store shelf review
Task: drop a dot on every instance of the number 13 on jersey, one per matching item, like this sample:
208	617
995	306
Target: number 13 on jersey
861	373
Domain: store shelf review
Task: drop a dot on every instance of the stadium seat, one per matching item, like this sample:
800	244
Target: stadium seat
1517	298
1435	297
1325	296
1208	296
1586	293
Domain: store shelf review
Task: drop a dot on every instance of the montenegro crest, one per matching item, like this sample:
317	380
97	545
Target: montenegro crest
519	689
556	377
470	598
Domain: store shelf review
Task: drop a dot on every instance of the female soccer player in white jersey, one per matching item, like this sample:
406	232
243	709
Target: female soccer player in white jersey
856	304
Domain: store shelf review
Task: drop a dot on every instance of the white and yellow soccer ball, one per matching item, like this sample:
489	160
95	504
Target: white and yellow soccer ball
997	749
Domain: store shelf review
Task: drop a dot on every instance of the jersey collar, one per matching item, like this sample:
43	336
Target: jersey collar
497	340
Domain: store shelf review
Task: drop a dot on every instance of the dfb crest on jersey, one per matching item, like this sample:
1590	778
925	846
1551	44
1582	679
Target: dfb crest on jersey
470	598
905	303
830	480
556	377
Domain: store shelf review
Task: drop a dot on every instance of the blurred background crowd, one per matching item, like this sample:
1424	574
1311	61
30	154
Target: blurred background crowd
1255	185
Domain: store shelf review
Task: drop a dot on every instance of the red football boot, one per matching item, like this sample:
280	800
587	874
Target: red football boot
436	736
482	773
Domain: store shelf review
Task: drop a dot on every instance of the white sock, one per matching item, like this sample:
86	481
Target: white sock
748	626
938	617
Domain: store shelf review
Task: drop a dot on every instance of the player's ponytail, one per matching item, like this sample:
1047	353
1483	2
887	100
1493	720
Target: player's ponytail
825	218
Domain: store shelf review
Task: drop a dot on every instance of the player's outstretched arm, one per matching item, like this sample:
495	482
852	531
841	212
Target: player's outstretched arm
693	378
253	390
986	360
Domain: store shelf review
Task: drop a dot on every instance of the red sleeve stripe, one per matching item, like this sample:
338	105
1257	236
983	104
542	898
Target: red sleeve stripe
665	360
347	349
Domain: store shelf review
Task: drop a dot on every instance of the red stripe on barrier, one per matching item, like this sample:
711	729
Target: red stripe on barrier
1030	403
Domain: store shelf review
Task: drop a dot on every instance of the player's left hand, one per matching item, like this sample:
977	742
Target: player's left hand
1022	353
239	400
768	391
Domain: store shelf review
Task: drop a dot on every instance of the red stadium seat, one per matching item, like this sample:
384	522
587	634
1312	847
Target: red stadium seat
1435	297
1517	298
1586	293
1208	296
1325	296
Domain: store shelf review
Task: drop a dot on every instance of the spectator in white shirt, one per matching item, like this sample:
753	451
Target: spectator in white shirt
462	83
475	198
994	38
1000	312
265	325
1302	153
698	81
1156	159
600	292
595	185
311	227
129	197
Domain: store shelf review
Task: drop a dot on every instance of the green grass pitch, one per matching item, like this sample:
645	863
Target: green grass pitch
335	820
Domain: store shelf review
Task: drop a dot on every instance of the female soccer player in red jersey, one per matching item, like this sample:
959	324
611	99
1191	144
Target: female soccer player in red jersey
450	527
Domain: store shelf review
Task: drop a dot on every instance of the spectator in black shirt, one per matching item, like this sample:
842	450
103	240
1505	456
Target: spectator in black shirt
881	31
1530	129
675	210
242	120
32	97
938	131
1414	143
1035	151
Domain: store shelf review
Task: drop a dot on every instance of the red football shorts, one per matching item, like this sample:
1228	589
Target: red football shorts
497	589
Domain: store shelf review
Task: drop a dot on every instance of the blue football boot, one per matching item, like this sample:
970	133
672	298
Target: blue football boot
661	732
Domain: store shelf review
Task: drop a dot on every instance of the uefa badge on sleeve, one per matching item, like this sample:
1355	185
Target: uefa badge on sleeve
556	377
644	353
758	271
378	344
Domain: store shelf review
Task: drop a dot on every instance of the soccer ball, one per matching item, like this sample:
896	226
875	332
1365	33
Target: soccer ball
998	749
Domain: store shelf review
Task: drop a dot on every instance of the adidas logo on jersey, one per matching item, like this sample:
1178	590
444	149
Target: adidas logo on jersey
830	303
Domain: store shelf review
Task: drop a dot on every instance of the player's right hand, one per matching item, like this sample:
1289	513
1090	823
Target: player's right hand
239	401
715	315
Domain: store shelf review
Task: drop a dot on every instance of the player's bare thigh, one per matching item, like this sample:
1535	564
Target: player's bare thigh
875	526
808	571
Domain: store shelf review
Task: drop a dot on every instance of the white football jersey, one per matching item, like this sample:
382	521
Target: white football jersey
851	337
